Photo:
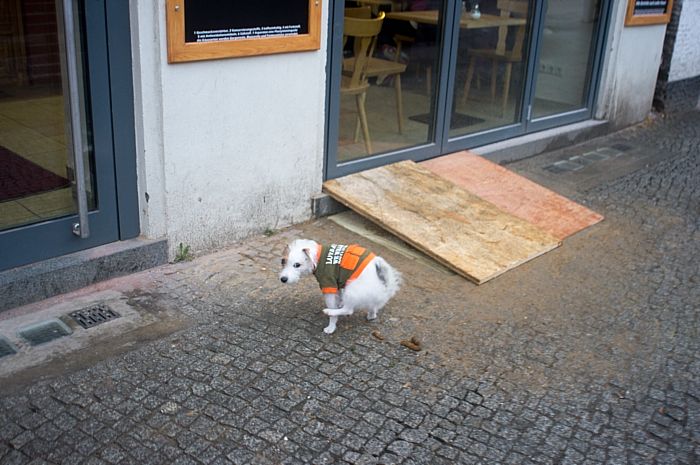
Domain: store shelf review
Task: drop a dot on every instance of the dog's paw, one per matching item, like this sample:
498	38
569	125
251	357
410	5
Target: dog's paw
329	329
331	311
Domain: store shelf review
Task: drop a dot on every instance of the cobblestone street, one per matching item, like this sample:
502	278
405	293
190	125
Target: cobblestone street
587	355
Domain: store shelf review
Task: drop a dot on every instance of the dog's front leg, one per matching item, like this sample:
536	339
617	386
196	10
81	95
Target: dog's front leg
332	301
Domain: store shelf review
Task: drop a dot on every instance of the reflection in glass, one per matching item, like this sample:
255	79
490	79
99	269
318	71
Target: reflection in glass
565	58
35	162
490	65
398	76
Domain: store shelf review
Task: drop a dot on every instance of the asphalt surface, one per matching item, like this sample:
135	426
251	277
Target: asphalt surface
589	354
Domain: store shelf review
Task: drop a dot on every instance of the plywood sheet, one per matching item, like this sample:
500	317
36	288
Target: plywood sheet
514	194
463	232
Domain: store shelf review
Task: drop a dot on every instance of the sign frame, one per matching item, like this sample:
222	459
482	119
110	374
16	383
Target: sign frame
181	51
632	19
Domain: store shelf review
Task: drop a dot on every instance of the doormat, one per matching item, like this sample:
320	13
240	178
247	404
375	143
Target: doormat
467	234
458	120
20	177
514	194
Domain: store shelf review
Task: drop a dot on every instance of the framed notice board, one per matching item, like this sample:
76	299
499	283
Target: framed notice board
211	29
643	12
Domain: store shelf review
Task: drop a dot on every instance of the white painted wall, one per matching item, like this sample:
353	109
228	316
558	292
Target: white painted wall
685	62
630	69
226	148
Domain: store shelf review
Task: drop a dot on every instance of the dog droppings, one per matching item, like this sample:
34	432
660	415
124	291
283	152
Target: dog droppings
413	344
377	335
169	408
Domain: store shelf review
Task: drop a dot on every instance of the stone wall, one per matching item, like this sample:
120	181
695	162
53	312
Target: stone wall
678	84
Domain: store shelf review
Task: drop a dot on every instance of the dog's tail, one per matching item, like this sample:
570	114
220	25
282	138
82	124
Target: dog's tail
388	275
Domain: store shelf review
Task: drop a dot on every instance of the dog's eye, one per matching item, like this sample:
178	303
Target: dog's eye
297	265
284	261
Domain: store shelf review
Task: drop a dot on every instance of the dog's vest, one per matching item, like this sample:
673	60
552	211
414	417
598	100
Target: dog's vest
340	264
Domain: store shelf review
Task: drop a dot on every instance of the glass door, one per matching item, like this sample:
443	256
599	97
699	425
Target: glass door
491	66
566	60
430	77
57	192
387	66
437	71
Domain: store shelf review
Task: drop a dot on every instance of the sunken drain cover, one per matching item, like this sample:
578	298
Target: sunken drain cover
6	348
93	316
44	331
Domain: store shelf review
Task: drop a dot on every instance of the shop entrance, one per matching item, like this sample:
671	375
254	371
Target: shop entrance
438	76
58	169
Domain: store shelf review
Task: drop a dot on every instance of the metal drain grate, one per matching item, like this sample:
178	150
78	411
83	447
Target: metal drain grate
595	156
43	332
622	147
581	160
567	165
578	162
93	316
610	152
6	348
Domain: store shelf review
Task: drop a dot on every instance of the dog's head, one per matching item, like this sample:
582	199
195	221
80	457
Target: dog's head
299	260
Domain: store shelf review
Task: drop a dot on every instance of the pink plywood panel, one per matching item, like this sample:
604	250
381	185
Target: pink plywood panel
514	194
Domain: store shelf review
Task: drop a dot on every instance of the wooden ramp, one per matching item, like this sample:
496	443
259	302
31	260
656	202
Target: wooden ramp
458	229
514	194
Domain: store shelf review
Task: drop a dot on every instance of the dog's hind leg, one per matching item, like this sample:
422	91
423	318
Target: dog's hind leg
372	313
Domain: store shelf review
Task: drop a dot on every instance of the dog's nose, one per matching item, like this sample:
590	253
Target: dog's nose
283	279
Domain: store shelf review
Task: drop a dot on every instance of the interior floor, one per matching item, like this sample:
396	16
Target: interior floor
33	126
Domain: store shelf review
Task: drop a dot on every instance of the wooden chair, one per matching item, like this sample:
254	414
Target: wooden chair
354	80
362	12
381	68
502	53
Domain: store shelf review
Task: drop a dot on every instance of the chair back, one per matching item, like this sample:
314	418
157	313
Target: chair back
362	12
364	33
512	9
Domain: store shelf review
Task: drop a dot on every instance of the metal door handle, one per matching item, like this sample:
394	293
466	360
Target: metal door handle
82	228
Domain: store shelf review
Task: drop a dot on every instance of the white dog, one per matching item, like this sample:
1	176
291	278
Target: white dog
350	277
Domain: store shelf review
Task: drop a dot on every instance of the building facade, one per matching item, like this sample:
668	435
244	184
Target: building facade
208	151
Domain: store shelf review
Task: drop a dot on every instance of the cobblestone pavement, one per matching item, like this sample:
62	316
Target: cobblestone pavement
589	354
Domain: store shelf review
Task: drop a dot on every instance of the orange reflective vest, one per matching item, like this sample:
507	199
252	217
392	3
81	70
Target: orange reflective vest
339	264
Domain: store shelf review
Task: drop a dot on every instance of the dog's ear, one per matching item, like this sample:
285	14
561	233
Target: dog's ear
311	260
308	254
285	255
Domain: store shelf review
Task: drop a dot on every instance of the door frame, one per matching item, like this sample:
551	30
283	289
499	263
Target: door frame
110	92
443	144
